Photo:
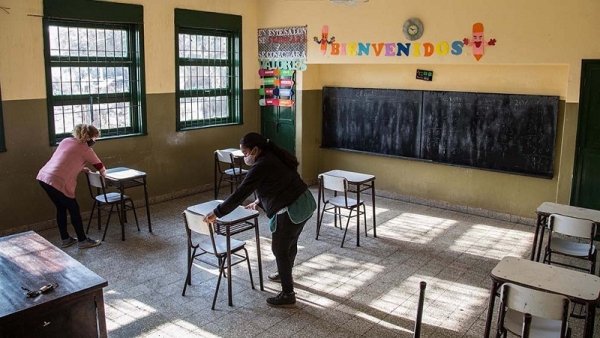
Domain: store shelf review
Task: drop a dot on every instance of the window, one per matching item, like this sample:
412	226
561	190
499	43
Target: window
208	69
94	74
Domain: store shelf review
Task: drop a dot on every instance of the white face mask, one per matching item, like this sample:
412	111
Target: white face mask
250	159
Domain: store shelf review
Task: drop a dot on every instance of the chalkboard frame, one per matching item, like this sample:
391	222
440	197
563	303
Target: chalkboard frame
548	110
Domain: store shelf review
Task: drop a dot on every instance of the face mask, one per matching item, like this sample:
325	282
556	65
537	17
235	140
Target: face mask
90	143
249	160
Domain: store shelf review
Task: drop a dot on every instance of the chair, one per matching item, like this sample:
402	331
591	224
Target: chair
103	199
531	313
212	244
339	185
578	229
228	169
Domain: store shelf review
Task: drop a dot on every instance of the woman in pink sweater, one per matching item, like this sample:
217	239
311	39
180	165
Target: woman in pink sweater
59	179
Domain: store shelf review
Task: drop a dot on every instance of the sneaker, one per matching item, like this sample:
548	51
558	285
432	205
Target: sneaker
68	242
282	299
274	277
89	243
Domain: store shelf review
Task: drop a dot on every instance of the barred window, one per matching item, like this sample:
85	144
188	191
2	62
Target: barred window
94	77
208	76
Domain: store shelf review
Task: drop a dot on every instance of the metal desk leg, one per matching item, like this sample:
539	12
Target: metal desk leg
260	272
589	320
373	202
490	312
540	240
357	216
228	240
319	220
535	237
122	212
147	206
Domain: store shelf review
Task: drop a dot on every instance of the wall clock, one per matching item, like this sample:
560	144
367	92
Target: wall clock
413	29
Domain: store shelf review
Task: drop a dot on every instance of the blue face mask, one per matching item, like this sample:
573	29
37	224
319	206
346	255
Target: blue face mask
91	143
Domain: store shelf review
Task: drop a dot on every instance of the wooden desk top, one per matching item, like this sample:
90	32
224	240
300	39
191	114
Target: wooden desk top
548	208
122	173
238	215
573	284
28	260
351	176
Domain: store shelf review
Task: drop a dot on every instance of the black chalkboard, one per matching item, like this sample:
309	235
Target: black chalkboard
382	121
505	132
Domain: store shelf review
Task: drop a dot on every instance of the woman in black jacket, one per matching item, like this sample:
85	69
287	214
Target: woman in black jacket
282	194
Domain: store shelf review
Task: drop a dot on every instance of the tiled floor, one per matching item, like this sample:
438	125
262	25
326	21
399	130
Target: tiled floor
370	291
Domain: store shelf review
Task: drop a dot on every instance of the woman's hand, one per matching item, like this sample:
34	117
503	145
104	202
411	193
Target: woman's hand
253	205
210	218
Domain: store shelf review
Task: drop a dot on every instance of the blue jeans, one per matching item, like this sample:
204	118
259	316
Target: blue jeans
64	203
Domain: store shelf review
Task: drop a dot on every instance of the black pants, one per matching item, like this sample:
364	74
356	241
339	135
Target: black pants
64	203
285	247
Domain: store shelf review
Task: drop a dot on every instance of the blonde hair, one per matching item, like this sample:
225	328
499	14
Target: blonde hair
84	132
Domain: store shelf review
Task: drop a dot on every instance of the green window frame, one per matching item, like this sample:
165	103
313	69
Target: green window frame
94	67
208	69
2	144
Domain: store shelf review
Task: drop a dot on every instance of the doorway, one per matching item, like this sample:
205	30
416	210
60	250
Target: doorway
586	171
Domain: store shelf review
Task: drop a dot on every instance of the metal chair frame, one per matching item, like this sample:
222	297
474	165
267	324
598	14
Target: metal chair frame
232	172
102	199
339	185
211	244
575	228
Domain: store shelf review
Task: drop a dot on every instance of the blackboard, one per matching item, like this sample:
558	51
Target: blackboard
382	121
504	132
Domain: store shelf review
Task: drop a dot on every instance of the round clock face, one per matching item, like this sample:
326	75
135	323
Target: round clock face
412	29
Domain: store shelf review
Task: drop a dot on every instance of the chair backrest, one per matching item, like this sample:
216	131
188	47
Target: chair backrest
571	226
334	183
196	223
95	180
224	156
536	303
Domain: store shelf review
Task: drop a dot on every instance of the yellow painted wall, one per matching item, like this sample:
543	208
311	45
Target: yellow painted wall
177	163
535	54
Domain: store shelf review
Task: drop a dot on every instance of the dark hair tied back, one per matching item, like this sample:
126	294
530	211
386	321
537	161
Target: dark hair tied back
252	140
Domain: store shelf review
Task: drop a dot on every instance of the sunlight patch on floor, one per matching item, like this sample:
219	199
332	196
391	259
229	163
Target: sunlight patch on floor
493	242
416	228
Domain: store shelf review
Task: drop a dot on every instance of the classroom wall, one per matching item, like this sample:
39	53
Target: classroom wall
539	49
535	54
177	163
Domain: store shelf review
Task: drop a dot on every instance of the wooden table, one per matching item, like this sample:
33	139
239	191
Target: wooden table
240	219
73	309
360	182
546	209
124	178
579	287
